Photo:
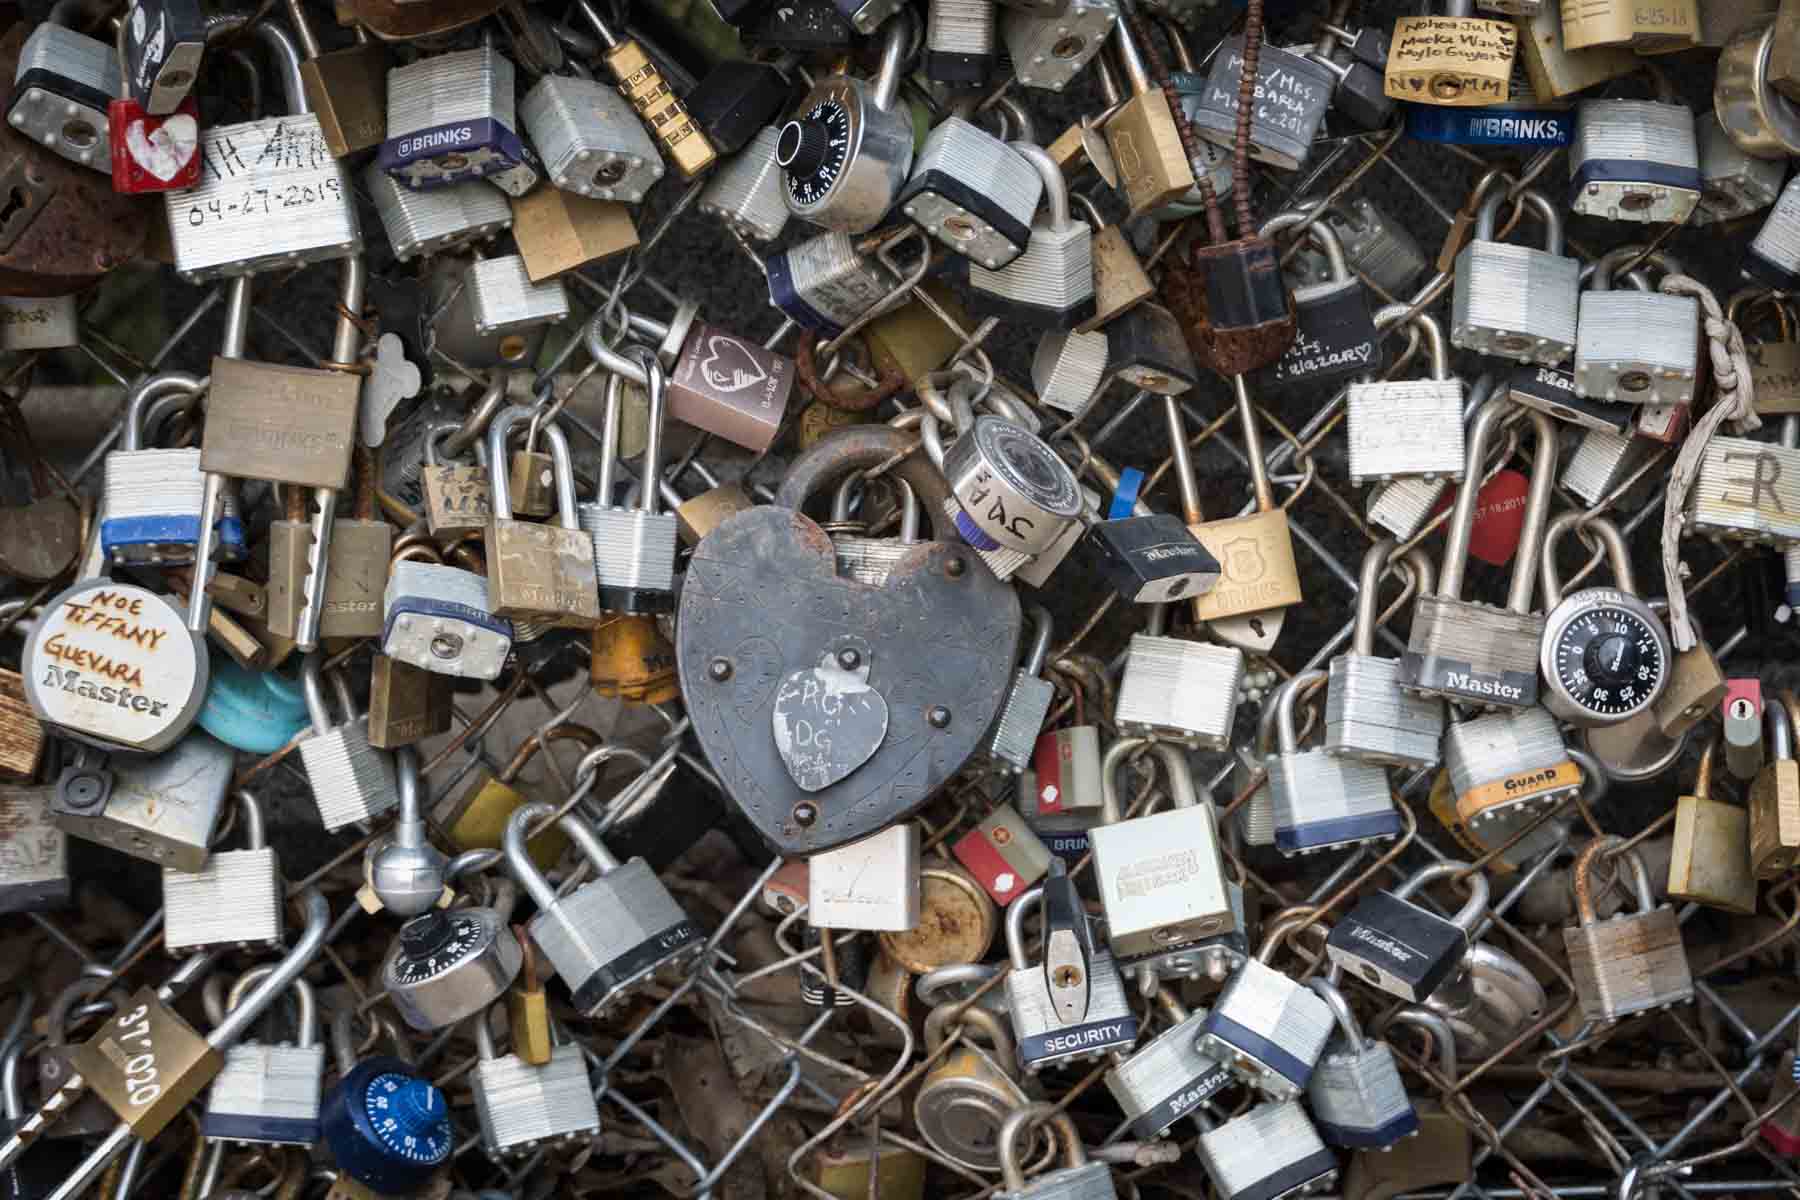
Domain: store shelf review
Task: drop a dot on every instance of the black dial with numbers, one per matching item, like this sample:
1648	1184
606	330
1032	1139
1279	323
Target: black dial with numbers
813	149
437	941
1605	660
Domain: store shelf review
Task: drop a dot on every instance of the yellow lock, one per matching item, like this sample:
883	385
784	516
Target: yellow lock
632	661
1709	862
478	819
528	1009
912	340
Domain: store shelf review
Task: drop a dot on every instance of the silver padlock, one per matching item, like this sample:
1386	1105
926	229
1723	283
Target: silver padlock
1068	368
1169	1078
1746	490
1601	460
1408	426
1011	489
522	1107
1355	1092
871	883
34	865
452	118
1028	701
1272	1150
61	90
1266	1028
610	936
1181	690
352	782
1076	1179
269	1094
634	547
745	191
270	195
959	41
1368	716
590	139
161	808
1514	301
1378	247
1633	961
439	618
1401	507
1506	768
441	219
1071	1006
494	315
151	497
1733	184
972	192
1635	160
1049	49
1320	800
1051	284
1636	347
825	284
1606	656
448	964
236	899
869	559
39	323
1773	258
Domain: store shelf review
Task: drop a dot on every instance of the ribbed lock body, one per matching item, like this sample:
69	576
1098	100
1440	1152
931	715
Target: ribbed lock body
1748	491
1599	462
824	284
452	118
34	868
521	1106
1089	1181
1050	285
1048	51
1166	1080
868	560
1292	95
1472	653
61	91
1272	1151
1067	368
1368	717
1043	1037
634	556
1181	690
270	195
1507	765
745	190
428	222
351	780
1321	801
1634	160
1515	302
1256	818
972	192
1016	728
1628	963
502	297
1378	246
1774	257
1637	347
1401	507
151	514
234	900
959	40
1268	1029
1733	184
1359	1100
267	1094
1405	427
613	933
590	139
441	619
1161	879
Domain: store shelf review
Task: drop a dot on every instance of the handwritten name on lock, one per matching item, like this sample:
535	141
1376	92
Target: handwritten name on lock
1285	101
1451	60
827	722
1775	372
118	662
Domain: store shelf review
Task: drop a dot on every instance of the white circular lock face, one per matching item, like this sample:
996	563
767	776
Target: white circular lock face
114	664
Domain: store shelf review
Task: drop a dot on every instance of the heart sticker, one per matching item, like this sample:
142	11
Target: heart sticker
167	149
729	367
827	722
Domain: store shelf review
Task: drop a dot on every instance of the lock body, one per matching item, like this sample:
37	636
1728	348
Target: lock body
1515	302
745	191
871	883
163	808
65	83
1292	94
611	935
1162	880
1166	1079
452	118
1472	653
1638	347
1181	690
430	222
1628	963
268	1095
1634	160
1272	1151
1775	817
1321	801
1397	946
591	141
351	781
1369	717
1358	1099
844	159
34	868
236	899
152	509
449	964
1268	1030
440	619
731	386
1709	862
824	284
500	316
1505	768
973	193
1405	427
1046	1040
1003	854
1746	491
522	1107
1049	49
185	1063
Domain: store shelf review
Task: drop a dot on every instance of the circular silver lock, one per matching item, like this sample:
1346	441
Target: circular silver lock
1605	655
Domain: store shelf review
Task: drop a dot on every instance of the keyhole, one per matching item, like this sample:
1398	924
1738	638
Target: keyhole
1067	977
17	201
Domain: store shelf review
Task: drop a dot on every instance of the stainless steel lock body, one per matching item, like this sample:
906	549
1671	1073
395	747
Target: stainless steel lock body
61	90
1016	729
162	808
1050	49
590	139
439	619
1356	1093
269	1094
236	899
1169	1077
1774	255
745	191
452	118
825	284
972	192
1012	490
1515	301
1320	800
1632	961
499	316
442	219
959	41
634	547
1601	460
1268	1029
352	782
872	883
1181	690
1050	1029
1746	491
1401	507
1505	768
521	1106
449	964
152	498
1733	183
1068	368
1050	284
39	323
1270	1152
1408	427
1368	716
1636	347
1605	656
1634	160
1465	650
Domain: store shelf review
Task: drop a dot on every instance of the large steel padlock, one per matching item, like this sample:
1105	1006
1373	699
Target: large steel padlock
1629	962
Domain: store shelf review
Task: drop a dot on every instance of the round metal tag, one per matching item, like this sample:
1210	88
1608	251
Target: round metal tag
114	665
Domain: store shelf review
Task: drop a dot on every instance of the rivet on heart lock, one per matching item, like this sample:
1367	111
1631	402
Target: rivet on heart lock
827	720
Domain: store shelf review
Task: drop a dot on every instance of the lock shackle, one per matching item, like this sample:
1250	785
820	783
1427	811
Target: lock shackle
78	990
1610	538
443	431
1703	779
1582	877
1750	299
862	448
1132	59
942	1016
1182	793
1015	927
1039	650
1607	264
484	1034
146	393
519	863
1780	730
1443	1038
1320	235
1171	1004
1090	208
1377	562
1286	738
1487	219
898	34
313	689
1191	511
1340	1012
1022	124
1056	187
1469	916
1488	420
932	986
306	947
1021	1121
287	66
1437	351
562	465
657	385
256	836
306	1024
12	1099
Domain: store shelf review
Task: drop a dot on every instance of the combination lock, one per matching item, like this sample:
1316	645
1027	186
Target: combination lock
450	964
1605	655
387	1128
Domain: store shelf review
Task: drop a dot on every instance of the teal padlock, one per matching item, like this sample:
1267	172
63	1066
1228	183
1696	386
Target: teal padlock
257	711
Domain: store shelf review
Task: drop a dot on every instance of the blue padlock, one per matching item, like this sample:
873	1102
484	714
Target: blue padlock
257	711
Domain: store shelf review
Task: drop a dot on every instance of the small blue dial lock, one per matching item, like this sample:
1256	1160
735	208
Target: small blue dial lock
387	1128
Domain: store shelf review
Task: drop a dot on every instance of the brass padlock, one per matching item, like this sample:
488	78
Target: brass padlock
1120	281
407	704
1775	795
912	340
1143	136
1710	861
1557	71
357	558
543	573
346	89
530	479
146	1063
456	497
842	1169
1695	688
477	819
1458	60
559	231
632	661
528	1008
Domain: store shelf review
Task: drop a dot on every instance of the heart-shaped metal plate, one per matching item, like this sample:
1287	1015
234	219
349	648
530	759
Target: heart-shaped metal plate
827	722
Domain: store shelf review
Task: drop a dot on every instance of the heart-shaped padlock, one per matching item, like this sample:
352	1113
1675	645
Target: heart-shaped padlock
777	650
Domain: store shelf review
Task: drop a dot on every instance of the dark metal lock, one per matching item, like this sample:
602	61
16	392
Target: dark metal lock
1334	335
1605	656
737	99
388	1127
1292	93
1401	948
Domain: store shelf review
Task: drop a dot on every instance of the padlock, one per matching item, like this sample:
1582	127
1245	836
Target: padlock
824	283
1068	367
453	118
1774	362
725	384
235	899
1744	490
746	190
440	619
34	864
352	782
1292	93
1506	768
697	516
1457	59
184	1062
1605	656
808	27
1355	1092
346	87
1630	962
1779	1129
735	101
1402	948
857	1170
1266	1028
30	323
457	499
1160	877
161	47
1773	258
1181	690
631	660
358	556
1775	798
1741	716
1407	427
152	151
1749	114
1636	347
1270	1150
1003	854
61	91
523	1107
1051	284
558	231
642	82
90	1114
591	141
1169	1077
403	873
269	1093
1647	29
1492	314
441	219
528	1013
959	41
1011	489
956	920
1377	246
632	549
1334	335
1028	701
1049	49
162	809
1321	800
542	573
871	883
1076	1179
448	964
1144	138
1553	391
1066	770
152	497
845	156
967	1095
387	1126
1072	1006
1360	95
973	192
476	819
1147	349
492	314
608	938
1368	716
1466	650
1635	160
1709	861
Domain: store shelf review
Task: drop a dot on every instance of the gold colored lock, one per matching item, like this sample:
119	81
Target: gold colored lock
146	1063
1453	61
912	340
1145	142
559	231
632	660
843	1171
477	819
1710	861
1120	282
957	921
356	578
1556	71
407	704
1775	796
528	1009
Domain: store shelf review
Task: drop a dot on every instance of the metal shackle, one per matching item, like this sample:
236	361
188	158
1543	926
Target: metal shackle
1340	1012
1582	877
443	431
1488	218
519	863
937	985
312	687
1781	730
1287	737
146	394
1616	553
1443	1038
1041	629
1488	421
1015	926
1022	1121
1056	187
1469	916
1318	233
562	465
937	1030
250	813
306	1023
1181	777
1376	563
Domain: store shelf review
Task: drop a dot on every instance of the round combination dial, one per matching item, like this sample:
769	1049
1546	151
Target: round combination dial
409	1118
1606	657
813	150
449	964
436	942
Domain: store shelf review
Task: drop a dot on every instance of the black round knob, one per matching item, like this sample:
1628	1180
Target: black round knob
1611	659
801	146
426	935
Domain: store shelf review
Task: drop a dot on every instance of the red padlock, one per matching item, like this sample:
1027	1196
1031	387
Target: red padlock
1067	764
1499	516
1003	854
154	154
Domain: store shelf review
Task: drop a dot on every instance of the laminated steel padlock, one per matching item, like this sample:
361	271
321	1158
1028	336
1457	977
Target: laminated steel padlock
1076	1179
1272	1150
1733	184
62	88
1368	716
966	1097
497	316
642	82
869	559
352	782
1745	490
162	809
610	937
1051	284
959	41
1759	119
1635	160
34	864
387	1126
1267	1029
1378	247
1404	949
1630	962
846	154
825	284
235	899
1169	1077
1355	1092
448	964
152	497
1180	690
1072	1006
1068	368
972	192
542	573
1292	94
1409	426
1709	860
1506	768
1465	650
270	1093
1003	854
1161	877
1775	798
1320	800
439	619
453	118
1636	347
523	1107
1049	49
1457	59
1605	656
1515	301
632	549
1601	460
442	219
1773	258
1016	729
1334	336
745	191
590	140
1144	138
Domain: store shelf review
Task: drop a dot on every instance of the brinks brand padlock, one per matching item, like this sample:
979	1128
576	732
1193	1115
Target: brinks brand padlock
1401	948
1506	768
1076	1179
1355	1092
633	548
1071	1006
1051	284
1292	94
1320	800
1049	49
1636	347
1181	690
1334	334
972	192
1409	426
235	899
352	782
448	964
1635	160
1775	798
612	935
591	141
1515	301
1267	1029
1272	1151
270	1093
1709	859
1630	962
1605	655
746	190
1169	1077
1368	716
452	118
152	497
388	1128
61	92
522	1106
